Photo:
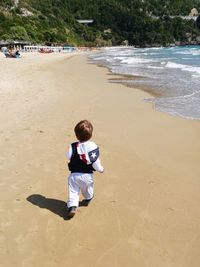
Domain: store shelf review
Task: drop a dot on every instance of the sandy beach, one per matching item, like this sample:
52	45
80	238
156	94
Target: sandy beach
146	207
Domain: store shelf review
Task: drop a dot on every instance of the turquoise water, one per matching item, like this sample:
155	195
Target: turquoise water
173	73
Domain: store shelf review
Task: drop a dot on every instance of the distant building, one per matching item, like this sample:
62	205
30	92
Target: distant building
107	30
194	12
16	2
14	44
125	43
85	21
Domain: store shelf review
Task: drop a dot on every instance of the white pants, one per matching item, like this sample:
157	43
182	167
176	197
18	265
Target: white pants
79	182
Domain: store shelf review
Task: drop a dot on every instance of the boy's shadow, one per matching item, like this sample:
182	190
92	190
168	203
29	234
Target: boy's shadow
56	206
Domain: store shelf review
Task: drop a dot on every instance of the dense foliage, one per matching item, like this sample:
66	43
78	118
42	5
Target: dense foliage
116	22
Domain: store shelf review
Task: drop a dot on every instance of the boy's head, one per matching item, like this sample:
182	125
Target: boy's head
83	130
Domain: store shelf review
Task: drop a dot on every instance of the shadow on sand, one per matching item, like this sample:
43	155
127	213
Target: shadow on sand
56	206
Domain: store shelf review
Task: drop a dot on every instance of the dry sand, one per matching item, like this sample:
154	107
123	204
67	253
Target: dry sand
146	208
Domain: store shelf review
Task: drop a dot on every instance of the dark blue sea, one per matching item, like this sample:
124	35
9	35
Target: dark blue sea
171	74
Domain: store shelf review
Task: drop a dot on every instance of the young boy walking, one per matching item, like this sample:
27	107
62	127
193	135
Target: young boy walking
83	157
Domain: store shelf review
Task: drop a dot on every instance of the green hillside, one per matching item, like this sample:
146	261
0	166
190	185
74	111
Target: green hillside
136	22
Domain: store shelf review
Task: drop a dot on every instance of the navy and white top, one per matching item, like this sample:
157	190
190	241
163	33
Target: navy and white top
84	157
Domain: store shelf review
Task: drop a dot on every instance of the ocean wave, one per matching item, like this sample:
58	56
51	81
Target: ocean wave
196	53
186	106
183	67
186	52
155	67
173	73
136	60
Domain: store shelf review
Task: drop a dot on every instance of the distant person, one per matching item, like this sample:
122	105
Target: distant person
83	157
17	53
4	49
10	52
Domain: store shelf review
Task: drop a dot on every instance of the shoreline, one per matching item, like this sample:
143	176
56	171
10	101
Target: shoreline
146	205
120	77
168	95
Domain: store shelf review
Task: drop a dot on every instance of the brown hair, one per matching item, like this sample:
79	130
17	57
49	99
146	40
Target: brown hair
83	130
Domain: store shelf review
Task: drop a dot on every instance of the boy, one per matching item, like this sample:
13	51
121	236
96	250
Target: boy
83	159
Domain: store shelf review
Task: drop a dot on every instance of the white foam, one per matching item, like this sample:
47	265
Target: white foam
136	60
183	52
186	106
173	65
154	67
196	53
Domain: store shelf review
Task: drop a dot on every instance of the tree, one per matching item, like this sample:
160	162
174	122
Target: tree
19	33
198	22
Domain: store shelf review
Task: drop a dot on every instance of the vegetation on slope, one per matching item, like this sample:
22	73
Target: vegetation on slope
139	22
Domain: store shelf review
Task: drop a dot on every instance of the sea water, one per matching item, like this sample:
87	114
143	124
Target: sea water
172	74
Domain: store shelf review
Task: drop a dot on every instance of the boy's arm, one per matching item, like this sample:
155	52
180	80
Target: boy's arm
69	153
94	157
97	166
